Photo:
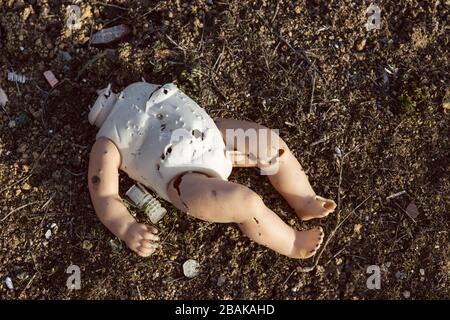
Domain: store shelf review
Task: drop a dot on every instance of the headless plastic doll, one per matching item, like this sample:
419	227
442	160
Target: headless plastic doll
167	142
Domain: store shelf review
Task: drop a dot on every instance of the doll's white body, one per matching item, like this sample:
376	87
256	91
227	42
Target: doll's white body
160	133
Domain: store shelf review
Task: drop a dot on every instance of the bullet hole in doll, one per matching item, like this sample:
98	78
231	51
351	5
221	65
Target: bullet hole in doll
198	134
167	151
256	220
95	180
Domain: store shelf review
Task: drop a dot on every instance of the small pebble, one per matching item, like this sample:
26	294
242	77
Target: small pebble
48	234
191	268
87	245
51	79
406	294
9	283
422	272
3	98
221	280
360	45
26	186
110	35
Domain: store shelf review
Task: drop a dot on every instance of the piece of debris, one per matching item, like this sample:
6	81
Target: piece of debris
221	280
73	14
400	275
115	244
50	77
65	56
9	283
3	98
412	210
357	228
27	12
446	102
14	77
1	38
53	227
338	151
360	44
12	124
26	186
87	245
391	69
374	17
110	35
395	195
406	294
22	119
422	272
141	198
22	276
191	268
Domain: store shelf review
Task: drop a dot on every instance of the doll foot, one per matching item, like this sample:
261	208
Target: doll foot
307	243
316	207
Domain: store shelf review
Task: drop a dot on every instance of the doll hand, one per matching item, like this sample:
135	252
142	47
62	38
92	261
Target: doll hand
141	239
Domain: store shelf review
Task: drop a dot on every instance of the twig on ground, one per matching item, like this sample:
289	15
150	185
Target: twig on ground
111	5
300	52
18	209
28	284
73	173
312	93
31	170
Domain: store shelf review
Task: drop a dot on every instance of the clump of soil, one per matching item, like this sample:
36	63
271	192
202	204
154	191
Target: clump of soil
309	69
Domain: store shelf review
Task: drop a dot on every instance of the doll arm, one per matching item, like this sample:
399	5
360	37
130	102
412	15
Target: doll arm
103	177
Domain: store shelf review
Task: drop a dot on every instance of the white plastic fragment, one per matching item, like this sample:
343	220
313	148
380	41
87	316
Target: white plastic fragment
73	13
144	200
221	280
9	283
374	17
3	98
48	234
395	195
110	35
412	210
14	77
191	268
50	77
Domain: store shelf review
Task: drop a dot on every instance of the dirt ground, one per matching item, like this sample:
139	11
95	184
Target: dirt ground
363	111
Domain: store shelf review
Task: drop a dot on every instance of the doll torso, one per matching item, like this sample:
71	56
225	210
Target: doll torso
161	133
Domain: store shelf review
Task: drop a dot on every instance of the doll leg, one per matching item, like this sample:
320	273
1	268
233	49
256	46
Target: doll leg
289	178
216	200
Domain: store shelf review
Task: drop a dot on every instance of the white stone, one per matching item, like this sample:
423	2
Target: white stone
191	268
221	280
48	234
9	283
